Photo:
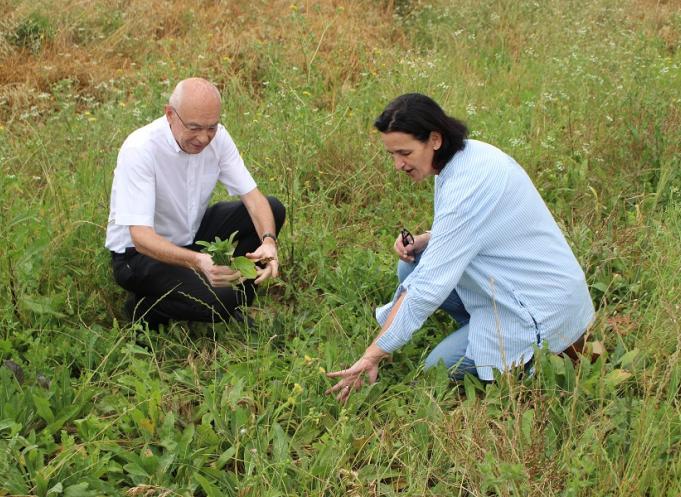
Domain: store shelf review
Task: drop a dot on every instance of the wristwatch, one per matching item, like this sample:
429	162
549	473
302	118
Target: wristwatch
269	235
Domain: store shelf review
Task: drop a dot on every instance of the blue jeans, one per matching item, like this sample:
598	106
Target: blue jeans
452	350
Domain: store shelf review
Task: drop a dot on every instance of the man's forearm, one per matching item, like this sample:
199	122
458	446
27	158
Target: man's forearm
260	212
149	243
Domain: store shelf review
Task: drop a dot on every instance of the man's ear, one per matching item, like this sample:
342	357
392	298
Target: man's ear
168	112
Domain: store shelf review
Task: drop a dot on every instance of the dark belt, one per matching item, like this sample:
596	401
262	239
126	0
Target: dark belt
129	252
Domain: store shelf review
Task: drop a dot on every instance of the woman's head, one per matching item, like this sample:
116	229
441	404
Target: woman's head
420	116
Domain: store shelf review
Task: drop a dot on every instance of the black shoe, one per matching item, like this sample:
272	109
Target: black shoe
135	310
129	307
243	319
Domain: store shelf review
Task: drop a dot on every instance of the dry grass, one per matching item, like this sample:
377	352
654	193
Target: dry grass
90	43
662	18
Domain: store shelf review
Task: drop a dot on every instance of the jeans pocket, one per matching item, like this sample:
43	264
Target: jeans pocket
123	273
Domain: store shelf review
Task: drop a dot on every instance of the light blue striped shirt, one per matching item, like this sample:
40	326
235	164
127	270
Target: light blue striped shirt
494	240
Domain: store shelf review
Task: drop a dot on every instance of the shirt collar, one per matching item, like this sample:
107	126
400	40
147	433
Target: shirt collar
168	133
448	170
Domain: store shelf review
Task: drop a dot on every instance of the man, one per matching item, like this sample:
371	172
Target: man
164	178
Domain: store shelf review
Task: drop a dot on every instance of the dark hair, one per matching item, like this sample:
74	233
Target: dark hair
419	115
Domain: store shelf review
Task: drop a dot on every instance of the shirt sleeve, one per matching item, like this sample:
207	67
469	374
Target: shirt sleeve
134	188
462	207
233	173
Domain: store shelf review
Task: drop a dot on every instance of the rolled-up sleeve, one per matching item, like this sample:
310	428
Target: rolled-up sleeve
134	187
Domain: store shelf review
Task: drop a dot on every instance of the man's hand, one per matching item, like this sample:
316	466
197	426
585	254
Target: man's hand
217	276
351	378
267	253
407	252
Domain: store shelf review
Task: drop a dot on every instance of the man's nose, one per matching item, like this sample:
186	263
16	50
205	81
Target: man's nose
204	137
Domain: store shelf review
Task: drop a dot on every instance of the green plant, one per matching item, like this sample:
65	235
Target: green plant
583	94
222	252
32	33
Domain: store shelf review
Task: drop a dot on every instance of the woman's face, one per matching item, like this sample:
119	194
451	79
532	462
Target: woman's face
413	157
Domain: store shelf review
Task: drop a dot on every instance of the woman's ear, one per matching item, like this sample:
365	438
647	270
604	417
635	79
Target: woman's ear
435	139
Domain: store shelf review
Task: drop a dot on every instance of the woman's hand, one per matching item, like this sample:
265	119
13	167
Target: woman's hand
406	252
351	378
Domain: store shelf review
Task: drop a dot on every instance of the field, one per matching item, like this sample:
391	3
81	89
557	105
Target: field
585	94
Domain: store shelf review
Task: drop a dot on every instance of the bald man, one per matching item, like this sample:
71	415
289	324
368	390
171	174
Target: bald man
164	177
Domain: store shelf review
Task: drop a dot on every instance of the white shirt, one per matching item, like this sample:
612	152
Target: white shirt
159	185
494	240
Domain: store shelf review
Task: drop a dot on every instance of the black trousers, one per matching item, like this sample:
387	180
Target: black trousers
163	292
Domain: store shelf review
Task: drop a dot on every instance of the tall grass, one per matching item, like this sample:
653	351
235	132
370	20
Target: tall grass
585	95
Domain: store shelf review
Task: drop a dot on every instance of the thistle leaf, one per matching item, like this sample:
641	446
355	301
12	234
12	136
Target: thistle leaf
245	266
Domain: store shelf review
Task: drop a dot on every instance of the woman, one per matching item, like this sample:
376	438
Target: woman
494	258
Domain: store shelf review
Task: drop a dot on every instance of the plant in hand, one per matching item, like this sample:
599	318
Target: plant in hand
222	252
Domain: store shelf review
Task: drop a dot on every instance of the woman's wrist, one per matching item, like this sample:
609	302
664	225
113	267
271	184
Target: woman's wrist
374	353
421	241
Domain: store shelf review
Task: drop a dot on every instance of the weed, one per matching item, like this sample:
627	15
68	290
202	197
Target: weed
584	94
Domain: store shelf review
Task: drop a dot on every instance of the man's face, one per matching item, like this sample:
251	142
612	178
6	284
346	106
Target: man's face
411	156
193	127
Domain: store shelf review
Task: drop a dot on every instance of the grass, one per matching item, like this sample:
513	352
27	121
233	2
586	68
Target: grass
584	94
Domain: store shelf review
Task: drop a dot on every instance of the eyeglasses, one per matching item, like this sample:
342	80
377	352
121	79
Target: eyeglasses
407	238
195	128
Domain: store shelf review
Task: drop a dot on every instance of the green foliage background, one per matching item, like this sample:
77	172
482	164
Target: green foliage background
584	94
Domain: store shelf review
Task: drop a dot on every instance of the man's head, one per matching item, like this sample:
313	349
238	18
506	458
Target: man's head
193	112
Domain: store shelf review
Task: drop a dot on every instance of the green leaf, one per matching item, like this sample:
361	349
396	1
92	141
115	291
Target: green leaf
135	469
224	457
280	443
210	489
601	286
56	490
245	266
41	305
617	376
220	250
42	407
78	490
628	359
